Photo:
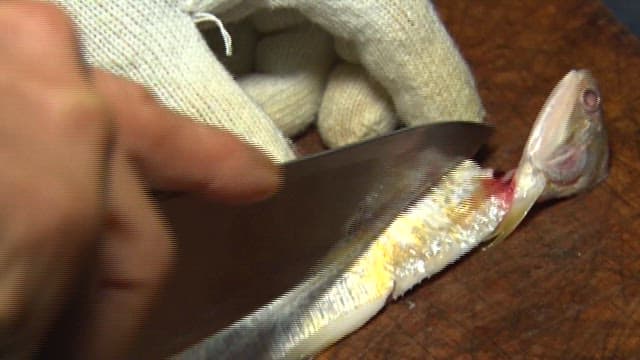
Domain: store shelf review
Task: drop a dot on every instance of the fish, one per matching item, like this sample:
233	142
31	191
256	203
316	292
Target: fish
566	153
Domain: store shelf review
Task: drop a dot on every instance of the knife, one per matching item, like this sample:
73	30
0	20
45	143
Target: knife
233	260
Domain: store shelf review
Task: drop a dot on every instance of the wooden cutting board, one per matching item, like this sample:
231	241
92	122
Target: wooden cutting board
566	284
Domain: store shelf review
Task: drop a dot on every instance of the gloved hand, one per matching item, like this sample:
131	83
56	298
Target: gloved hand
396	62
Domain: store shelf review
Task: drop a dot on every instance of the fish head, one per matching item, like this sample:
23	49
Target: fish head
569	141
567	151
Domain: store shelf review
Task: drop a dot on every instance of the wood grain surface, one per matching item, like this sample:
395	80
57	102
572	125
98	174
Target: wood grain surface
566	284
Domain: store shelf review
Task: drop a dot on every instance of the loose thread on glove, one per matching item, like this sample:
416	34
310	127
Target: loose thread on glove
201	17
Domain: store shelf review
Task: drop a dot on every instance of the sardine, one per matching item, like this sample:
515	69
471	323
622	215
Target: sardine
566	153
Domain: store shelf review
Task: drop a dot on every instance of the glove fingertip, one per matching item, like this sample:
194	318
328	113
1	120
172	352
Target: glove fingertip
354	107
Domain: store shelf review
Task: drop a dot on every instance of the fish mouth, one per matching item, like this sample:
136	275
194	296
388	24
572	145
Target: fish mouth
546	149
550	130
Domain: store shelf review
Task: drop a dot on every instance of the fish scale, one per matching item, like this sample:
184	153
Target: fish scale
431	234
469	205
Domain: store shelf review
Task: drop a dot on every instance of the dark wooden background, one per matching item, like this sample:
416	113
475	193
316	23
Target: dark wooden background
566	284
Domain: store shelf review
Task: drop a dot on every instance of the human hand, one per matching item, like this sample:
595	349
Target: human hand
395	62
79	149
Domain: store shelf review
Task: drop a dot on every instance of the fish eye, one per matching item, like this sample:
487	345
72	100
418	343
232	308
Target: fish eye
591	100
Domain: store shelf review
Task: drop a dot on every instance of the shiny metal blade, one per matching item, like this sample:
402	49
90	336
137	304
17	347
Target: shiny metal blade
233	260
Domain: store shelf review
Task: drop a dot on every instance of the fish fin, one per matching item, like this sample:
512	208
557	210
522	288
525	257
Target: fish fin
511	220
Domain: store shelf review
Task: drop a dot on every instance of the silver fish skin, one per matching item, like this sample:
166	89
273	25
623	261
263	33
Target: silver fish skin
566	153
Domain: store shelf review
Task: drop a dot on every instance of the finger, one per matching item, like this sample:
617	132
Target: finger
38	39
291	79
177	154
407	49
354	107
192	82
52	145
136	254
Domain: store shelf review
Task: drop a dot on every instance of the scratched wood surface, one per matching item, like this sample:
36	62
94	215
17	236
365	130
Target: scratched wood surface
566	284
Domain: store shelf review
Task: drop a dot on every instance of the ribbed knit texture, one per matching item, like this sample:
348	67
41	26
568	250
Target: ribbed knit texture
291	78
270	20
400	44
154	43
354	107
405	47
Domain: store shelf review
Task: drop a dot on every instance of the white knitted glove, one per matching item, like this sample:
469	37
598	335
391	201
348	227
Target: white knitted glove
399	50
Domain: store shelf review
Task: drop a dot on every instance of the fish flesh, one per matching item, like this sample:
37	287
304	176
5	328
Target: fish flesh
566	153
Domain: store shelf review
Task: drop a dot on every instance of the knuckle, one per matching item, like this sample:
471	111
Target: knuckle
119	88
56	217
75	208
77	113
36	18
140	95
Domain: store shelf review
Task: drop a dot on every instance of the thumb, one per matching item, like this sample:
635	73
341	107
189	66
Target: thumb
177	154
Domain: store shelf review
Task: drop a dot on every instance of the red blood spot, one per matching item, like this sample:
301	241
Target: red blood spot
501	186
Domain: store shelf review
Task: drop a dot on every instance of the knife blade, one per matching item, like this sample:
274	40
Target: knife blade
233	260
